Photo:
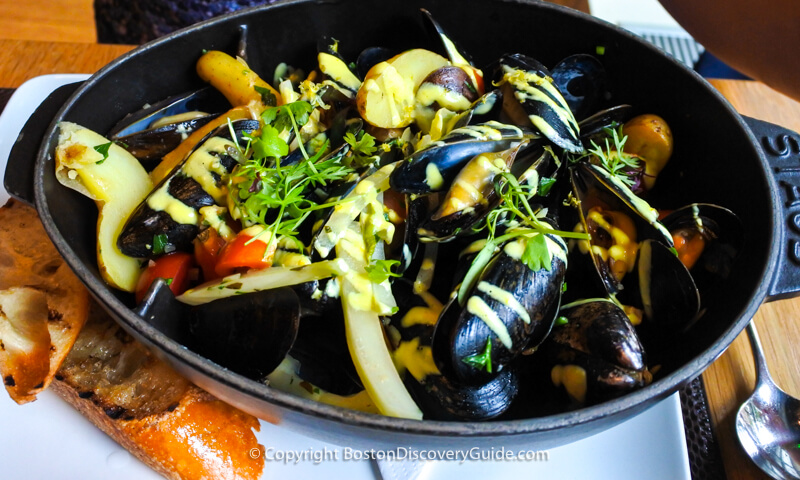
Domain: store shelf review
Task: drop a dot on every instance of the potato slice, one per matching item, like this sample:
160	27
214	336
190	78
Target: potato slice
234	79
118	184
387	96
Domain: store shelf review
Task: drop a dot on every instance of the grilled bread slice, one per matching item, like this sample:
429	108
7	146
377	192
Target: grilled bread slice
43	305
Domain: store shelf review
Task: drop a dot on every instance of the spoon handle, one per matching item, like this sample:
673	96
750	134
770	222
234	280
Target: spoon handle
762	373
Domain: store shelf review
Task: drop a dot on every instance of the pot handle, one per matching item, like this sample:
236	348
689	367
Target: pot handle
781	148
19	173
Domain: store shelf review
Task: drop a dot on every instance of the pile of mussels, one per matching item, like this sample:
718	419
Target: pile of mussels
481	332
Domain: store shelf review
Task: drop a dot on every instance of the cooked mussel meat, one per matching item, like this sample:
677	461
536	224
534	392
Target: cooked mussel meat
433	168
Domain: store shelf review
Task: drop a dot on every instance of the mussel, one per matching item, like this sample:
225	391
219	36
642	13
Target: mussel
170	217
531	97
510	309
439	396
581	80
595	353
630	249
433	168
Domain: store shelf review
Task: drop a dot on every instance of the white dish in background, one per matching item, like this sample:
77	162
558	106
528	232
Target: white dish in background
48	439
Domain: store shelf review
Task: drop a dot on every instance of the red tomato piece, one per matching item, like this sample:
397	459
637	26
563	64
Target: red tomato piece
207	247
173	267
244	253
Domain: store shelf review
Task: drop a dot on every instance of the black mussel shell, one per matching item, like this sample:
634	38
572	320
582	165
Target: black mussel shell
369	57
722	234
434	168
520	304
187	193
593	127
149	146
440	398
482	110
455	54
669	295
480	175
581	79
249	334
538	101
598	341
593	187
600	328
206	99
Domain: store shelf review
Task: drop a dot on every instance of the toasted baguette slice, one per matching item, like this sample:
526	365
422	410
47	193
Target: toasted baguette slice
43	305
174	427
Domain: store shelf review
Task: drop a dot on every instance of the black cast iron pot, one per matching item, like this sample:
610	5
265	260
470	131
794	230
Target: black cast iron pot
717	159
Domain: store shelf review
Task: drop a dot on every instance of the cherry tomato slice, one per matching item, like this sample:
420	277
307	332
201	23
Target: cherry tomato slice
243	254
173	267
207	247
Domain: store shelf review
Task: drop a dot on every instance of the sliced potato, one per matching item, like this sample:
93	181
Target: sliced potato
117	183
234	79
386	98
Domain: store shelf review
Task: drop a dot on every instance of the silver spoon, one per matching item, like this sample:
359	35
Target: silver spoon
768	423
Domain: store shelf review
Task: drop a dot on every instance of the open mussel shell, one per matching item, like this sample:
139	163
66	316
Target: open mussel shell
595	354
433	168
470	197
603	199
718	230
172	209
371	56
581	79
510	309
249	334
593	127
531	97
149	146
206	99
669	295
456	55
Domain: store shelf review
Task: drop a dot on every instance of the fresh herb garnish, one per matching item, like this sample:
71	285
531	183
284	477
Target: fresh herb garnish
160	243
613	157
380	270
362	148
481	361
562	320
266	96
545	184
537	254
102	150
168	281
275	196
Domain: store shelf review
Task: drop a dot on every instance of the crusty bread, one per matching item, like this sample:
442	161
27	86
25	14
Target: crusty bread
174	427
43	305
49	329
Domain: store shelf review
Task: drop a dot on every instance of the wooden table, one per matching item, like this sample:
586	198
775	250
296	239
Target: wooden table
729	381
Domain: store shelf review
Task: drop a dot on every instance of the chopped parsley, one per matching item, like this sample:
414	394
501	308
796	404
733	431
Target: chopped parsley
562	320
481	361
545	184
102	150
380	270
266	96
160	243
362	148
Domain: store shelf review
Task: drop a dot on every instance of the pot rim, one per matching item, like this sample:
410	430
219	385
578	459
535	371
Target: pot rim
657	390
